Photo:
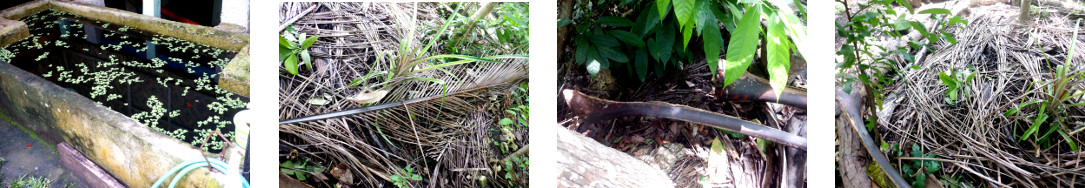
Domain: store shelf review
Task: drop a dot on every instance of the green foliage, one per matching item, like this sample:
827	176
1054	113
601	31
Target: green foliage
402	181
957	83
509	28
300	169
874	62
30	182
1053	114
662	34
917	171
294	47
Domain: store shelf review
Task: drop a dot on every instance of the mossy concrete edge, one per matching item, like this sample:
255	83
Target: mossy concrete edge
235	76
225	37
131	152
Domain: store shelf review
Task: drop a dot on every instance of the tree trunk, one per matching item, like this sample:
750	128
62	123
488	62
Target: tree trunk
583	162
1023	17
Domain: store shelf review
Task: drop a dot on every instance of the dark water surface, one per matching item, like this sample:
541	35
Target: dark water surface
164	82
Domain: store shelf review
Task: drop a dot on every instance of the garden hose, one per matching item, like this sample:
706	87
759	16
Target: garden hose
190	165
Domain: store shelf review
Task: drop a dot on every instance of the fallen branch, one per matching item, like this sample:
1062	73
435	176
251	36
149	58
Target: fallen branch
749	87
596	109
849	110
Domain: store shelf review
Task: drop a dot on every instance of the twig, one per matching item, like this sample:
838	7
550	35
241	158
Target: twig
296	17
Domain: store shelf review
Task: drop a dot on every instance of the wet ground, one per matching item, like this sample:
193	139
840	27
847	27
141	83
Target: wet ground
26	155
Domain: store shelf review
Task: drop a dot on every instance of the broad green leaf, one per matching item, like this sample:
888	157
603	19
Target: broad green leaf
650	22
562	22
505	121
600	38
661	6
955	20
283	42
291	64
306	59
593	67
284	53
713	44
665	40
687	33
901	23
685	12
935	11
653	49
613	54
615	21
779	56
309	42
949	37
947	80
919	26
640	63
717	146
628	38
703	12
582	47
743	46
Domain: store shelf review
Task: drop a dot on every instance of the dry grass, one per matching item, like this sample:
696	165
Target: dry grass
444	139
973	135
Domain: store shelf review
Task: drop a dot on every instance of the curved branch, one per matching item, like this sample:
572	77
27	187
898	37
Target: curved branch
749	87
596	109
849	110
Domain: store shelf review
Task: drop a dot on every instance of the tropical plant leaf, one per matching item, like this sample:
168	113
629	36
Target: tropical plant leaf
713	44
640	63
615	21
779	56
685	12
291	64
286	43
687	33
743	45
593	67
612	54
284	53
306	59
628	38
662	6
1069	141
935	11
308	42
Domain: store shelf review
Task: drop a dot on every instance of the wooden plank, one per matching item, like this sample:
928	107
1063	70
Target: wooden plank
83	168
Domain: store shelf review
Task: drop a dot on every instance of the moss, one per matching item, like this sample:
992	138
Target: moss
32	134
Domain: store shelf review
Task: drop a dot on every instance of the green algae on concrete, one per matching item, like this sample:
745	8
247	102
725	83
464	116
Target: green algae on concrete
12	31
235	76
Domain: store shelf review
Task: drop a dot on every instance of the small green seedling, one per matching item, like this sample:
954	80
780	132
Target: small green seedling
294	46
957	83
401	181
300	170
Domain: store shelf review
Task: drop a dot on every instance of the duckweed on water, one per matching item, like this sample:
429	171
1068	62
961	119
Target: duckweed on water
115	66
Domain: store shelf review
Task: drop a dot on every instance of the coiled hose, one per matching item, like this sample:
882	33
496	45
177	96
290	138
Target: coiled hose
190	165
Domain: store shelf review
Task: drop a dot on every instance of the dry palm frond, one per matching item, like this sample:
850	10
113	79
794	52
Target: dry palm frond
973	136
443	132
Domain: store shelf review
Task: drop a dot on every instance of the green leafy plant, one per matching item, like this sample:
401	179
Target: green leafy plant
519	112
665	33
1053	113
30	182
917	171
957	82
402	181
294	49
300	169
